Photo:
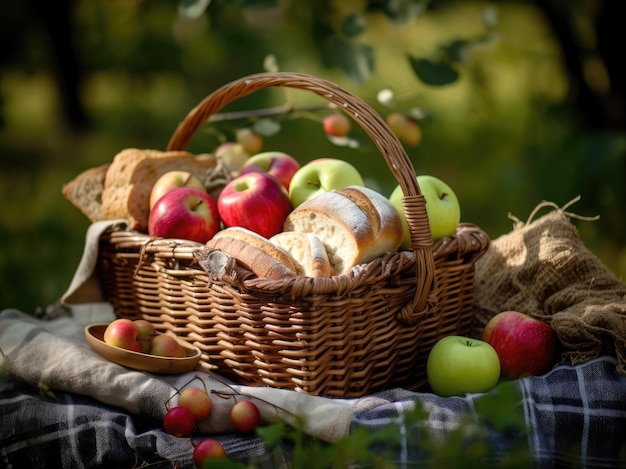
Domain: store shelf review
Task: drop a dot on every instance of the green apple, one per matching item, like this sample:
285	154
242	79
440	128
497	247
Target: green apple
457	365
442	206
322	175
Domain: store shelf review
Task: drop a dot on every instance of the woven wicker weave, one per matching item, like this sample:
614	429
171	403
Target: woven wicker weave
348	335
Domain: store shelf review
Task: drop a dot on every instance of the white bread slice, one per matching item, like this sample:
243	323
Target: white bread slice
346	225
133	172
307	250
254	252
85	191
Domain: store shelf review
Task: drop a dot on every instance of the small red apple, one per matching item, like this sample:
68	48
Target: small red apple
256	201
280	165
245	416
207	449
173	180
146	331
336	125
184	213
164	345
197	401
123	333
525	345
179	421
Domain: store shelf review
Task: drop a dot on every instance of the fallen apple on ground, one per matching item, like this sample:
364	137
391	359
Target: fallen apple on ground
526	346
442	207
457	365
184	213
206	450
179	421
245	416
197	401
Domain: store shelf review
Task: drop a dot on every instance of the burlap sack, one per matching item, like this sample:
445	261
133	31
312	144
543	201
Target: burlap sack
543	269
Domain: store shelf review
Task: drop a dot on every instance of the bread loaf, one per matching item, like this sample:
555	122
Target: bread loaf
254	252
307	250
85	191
355	224
133	172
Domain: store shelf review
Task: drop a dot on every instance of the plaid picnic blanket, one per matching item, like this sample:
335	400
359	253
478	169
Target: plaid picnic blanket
53	413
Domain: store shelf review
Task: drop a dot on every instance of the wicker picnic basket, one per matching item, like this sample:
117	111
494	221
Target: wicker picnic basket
345	336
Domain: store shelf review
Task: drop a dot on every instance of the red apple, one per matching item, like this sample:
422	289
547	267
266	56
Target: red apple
197	401
280	165
245	416
336	125
207	449
173	180
164	345
123	333
179	421
184	213
146	331
525	345
256	201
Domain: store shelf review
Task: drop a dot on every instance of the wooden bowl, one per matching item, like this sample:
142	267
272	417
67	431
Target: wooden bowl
94	333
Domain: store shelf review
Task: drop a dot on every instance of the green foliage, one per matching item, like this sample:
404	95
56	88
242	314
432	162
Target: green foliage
465	445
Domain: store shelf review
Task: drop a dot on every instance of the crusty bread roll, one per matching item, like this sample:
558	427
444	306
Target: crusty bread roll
133	172
85	191
353	230
254	252
307	250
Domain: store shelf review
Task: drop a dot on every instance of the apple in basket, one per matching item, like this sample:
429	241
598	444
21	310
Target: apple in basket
322	175
256	201
184	213
232	155
280	165
526	346
442	207
172	180
457	365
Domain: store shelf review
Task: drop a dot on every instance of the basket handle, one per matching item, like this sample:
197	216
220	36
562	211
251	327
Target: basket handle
374	125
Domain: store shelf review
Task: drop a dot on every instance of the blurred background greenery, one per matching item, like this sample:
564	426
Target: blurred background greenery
536	111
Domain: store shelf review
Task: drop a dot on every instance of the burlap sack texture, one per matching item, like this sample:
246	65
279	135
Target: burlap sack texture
543	269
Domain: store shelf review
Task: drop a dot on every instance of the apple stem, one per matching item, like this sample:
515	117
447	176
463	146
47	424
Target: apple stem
469	343
312	183
198	203
443	195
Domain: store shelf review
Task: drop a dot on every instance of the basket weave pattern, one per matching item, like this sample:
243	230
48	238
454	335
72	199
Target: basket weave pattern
345	336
